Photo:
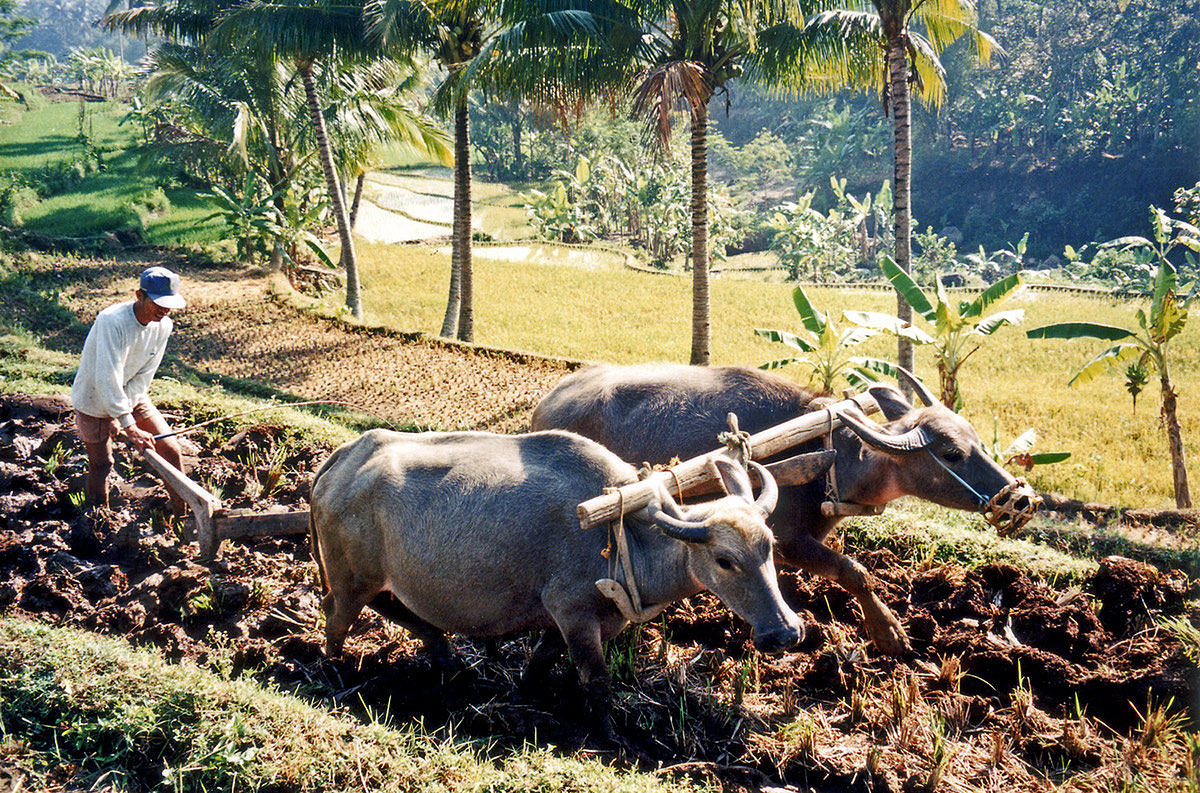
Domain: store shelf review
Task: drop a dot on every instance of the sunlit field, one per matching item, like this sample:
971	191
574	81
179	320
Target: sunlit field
1119	454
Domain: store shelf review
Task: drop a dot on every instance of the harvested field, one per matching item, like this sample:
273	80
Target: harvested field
233	327
1012	684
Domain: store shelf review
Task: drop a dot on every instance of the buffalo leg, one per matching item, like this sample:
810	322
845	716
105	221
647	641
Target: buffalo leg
882	626
342	605
587	653
547	650
434	639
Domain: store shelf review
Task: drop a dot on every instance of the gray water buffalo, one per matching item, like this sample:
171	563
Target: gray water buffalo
477	534
652	413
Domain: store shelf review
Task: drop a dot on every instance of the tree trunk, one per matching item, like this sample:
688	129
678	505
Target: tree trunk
349	258
518	153
897	57
1183	496
462	211
358	190
701	320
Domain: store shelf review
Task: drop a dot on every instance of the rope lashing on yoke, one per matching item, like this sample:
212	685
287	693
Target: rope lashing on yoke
628	598
833	506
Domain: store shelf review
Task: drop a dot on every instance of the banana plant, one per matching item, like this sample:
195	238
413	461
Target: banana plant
959	327
1018	451
1145	349
826	350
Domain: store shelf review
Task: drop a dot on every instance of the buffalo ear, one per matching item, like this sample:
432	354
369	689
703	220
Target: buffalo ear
734	477
891	402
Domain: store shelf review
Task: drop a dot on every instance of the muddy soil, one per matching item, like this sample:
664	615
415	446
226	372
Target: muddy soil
689	690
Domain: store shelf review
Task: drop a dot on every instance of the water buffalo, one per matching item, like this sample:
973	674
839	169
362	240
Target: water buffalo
476	534
652	413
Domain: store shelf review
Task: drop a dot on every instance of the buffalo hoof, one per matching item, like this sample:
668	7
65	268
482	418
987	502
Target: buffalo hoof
888	637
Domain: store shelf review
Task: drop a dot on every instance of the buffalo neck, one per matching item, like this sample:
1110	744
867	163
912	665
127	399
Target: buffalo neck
660	566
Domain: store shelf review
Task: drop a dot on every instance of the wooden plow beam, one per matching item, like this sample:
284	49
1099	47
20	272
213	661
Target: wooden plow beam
698	475
213	521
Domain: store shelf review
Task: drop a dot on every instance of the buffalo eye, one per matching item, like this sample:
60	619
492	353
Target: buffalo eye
724	563
953	456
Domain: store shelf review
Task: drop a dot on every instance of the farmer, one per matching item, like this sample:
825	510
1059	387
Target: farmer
123	349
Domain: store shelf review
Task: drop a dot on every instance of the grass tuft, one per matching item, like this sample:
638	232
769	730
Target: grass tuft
77	710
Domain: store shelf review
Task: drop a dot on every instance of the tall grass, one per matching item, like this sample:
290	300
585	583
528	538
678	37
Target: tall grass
1119	454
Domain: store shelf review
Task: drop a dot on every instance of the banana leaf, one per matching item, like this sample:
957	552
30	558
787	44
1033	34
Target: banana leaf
993	294
889	324
782	362
790	339
1113	356
989	325
810	317
1045	458
907	288
1164	284
1079	330
852	337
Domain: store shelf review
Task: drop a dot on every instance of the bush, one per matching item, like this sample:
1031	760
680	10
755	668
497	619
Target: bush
153	203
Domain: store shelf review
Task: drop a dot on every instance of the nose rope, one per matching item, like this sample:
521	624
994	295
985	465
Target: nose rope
983	502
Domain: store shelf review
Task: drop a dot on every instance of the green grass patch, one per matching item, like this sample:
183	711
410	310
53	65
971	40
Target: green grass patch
925	534
120	196
77	710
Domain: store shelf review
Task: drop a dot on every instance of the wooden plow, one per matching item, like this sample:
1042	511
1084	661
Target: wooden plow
696	476
215	522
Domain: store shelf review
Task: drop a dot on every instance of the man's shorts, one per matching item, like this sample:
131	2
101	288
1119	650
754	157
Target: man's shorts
91	429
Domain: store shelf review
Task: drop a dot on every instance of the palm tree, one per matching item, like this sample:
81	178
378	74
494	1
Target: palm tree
677	55
453	32
251	43
910	56
307	33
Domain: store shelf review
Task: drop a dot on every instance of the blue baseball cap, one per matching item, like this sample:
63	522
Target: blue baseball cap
162	286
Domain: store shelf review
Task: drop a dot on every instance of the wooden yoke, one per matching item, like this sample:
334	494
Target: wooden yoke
696	473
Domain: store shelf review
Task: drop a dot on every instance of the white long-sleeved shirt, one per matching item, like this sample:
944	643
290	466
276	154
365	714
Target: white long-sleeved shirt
119	359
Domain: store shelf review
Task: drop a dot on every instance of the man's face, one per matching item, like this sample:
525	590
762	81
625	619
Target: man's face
148	310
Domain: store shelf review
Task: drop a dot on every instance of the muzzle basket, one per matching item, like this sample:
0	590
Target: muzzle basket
1012	507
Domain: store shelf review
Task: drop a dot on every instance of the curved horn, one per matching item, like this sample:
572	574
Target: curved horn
686	530
914	440
919	388
769	495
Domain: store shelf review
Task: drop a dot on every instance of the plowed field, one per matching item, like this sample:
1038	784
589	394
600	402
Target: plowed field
1011	684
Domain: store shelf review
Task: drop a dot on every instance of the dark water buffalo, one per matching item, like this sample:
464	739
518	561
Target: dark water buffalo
652	413
476	534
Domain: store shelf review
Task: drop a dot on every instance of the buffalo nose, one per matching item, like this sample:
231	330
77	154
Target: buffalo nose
776	641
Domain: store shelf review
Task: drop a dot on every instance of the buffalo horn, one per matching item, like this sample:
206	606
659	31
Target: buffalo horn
686	530
802	468
914	440
919	388
769	494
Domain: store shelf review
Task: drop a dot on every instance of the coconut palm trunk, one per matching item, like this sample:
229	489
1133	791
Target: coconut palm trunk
1183	496
358	191
334	189
701	315
459	320
897	65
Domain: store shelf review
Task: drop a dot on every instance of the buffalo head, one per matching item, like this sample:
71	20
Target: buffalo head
935	454
730	551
